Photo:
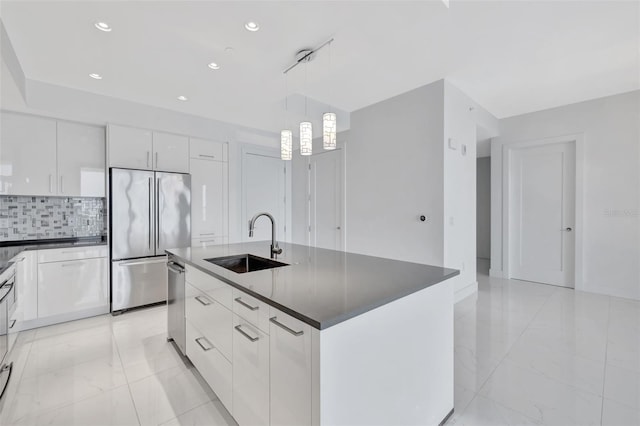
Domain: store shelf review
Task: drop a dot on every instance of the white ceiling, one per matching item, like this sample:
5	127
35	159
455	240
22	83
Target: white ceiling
511	57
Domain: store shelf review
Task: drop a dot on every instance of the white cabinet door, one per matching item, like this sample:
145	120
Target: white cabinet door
250	374
129	147
77	285
81	152
27	155
170	152
209	194
290	370
27	284
202	149
210	317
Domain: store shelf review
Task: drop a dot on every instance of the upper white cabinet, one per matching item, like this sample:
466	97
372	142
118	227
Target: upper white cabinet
130	148
202	149
209	210
27	155
81	152
142	149
170	152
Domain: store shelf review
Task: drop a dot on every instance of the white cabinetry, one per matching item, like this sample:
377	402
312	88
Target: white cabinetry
81	152
170	152
290	370
143	149
70	282
27	155
250	373
202	149
129	147
27	284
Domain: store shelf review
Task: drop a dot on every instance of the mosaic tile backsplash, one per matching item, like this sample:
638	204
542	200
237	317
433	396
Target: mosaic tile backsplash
37	218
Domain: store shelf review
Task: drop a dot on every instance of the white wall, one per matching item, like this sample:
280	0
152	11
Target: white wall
394	174
462	117
483	208
610	128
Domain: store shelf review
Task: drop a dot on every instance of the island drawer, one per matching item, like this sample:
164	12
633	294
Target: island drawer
211	364
212	286
211	318
251	309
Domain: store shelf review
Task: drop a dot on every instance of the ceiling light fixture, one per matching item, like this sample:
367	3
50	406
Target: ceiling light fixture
214	66
102	26
182	98
286	136
252	26
95	76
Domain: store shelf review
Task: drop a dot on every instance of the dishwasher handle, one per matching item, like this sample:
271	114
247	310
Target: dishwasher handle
175	267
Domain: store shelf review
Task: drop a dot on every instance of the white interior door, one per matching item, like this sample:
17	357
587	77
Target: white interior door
326	200
542	213
264	191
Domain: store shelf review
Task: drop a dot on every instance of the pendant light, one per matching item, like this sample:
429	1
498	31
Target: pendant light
286	136
329	127
306	130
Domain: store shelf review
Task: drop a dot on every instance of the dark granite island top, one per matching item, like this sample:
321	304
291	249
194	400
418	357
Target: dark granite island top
320	287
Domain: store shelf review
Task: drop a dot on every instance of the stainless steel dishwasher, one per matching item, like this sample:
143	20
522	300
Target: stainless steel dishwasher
176	327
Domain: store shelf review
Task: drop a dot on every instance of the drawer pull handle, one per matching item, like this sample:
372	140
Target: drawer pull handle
206	156
246	305
13	322
203	300
78	263
244	333
204	348
284	327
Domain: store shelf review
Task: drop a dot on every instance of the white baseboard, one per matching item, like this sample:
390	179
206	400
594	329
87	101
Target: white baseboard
56	319
465	292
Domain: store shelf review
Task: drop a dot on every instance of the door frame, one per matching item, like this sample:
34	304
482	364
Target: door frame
507	150
272	153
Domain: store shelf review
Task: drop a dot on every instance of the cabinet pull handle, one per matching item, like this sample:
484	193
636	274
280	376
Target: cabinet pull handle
246	305
13	322
207	233
284	327
51	184
156	160
206	156
61	184
244	333
198	341
78	263
148	154
205	302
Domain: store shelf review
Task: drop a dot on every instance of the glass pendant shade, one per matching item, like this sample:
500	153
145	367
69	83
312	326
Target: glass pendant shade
329	130
306	138
286	144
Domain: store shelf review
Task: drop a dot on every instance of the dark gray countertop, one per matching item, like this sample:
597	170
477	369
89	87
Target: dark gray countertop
9	250
320	287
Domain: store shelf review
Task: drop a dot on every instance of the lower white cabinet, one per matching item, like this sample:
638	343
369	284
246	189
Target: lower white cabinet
27	284
72	286
250	374
211	364
290	370
210	317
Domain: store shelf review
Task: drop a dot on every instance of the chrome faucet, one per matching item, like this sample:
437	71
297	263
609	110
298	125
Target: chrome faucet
275	250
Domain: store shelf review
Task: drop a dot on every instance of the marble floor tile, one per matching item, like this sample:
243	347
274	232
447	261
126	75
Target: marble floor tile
152	356
482	411
66	385
623	386
623	347
212	413
542	399
110	408
615	414
167	395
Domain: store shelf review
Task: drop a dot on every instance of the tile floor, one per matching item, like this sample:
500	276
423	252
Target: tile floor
525	354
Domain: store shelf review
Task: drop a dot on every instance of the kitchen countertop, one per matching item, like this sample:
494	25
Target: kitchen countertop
320	287
10	249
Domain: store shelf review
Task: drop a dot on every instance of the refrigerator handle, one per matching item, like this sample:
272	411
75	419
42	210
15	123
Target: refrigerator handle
150	208
157	214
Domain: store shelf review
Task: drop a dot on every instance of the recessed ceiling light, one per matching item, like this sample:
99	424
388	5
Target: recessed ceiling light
102	26
95	76
182	98
214	66
252	26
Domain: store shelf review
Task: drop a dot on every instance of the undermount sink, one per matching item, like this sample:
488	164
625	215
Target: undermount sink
242	263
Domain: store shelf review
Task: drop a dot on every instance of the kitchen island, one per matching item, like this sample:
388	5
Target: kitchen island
330	338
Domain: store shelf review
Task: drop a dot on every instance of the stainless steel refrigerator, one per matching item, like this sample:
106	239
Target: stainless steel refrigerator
149	212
